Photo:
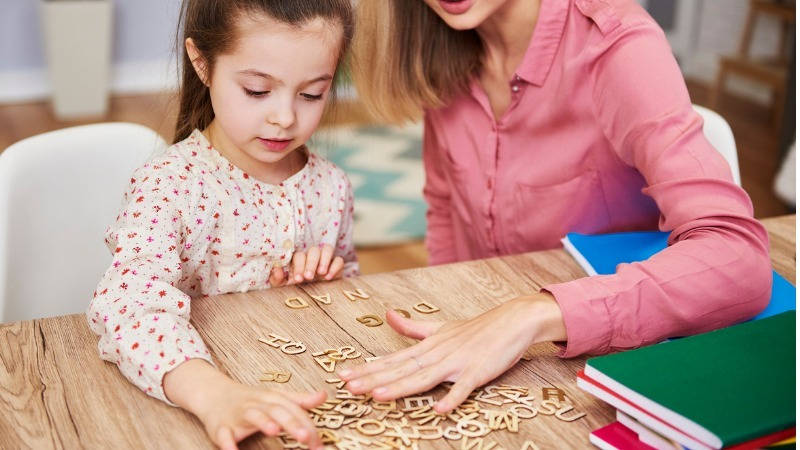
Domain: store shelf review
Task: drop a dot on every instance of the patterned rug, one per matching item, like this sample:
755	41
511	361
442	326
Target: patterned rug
385	166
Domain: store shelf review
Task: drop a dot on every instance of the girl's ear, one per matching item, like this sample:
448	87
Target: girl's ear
197	59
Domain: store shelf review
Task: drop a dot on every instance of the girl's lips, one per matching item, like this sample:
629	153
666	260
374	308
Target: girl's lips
455	6
276	145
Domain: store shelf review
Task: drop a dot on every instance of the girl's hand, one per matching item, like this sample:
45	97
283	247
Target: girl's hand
318	263
231	411
470	352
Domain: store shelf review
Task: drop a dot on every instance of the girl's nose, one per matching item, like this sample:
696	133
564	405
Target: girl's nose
282	115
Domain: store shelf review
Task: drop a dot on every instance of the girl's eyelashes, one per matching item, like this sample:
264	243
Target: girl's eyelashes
251	93
258	94
311	97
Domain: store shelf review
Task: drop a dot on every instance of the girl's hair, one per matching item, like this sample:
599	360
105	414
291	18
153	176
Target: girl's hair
212	26
405	57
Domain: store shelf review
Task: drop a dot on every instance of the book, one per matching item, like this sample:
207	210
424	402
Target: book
600	254
647	435
616	436
718	389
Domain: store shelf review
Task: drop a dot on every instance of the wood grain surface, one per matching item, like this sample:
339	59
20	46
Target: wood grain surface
55	391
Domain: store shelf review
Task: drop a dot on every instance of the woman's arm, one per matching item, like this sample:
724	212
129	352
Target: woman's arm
716	270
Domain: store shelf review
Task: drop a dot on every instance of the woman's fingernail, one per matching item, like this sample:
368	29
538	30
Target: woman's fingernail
380	390
309	274
298	277
354	384
345	372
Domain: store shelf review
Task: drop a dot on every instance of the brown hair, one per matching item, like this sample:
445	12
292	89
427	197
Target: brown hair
405	57
211	25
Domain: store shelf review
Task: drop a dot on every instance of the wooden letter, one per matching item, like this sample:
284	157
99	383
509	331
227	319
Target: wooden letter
523	411
364	426
549	392
529	445
324	298
425	308
296	303
276	376
297	347
370	320
566	409
274	340
357	293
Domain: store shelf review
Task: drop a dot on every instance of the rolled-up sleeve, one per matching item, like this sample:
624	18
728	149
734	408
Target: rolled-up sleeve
716	270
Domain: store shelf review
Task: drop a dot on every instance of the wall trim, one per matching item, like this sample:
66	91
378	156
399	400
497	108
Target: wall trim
126	78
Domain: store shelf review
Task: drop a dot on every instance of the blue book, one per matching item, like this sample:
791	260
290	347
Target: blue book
599	254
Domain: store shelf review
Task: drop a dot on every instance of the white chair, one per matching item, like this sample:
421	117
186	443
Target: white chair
719	134
59	191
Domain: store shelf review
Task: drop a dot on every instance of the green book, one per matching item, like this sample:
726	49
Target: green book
721	388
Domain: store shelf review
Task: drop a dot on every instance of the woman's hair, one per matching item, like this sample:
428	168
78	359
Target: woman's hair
405	58
212	26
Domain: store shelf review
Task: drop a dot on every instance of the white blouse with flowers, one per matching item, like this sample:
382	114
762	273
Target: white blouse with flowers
192	225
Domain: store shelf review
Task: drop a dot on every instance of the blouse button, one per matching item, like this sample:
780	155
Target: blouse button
515	88
287	244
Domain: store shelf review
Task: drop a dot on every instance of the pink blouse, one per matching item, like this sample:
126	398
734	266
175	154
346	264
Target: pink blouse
600	136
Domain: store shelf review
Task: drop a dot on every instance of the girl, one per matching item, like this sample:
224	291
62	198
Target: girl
544	117
236	199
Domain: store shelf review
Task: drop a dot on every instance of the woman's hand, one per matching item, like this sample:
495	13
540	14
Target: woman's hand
318	263
470	352
231	411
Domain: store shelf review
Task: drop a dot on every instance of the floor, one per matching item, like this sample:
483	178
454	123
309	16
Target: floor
756	141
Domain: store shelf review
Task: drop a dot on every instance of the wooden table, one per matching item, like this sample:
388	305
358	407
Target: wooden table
55	392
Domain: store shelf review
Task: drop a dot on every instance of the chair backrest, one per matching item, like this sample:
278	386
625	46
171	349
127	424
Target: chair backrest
59	191
719	134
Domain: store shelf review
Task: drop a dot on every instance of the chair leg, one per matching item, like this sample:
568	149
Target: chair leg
779	98
718	87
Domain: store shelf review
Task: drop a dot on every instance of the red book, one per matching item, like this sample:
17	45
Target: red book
617	436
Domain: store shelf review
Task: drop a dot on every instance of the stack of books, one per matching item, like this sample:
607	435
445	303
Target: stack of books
729	388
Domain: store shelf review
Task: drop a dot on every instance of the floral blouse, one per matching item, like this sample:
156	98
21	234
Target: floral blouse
193	224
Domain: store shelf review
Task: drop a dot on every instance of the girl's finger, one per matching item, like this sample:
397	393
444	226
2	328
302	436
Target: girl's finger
298	263
277	412
336	268
277	277
312	259
262	422
325	259
225	439
294	420
411	328
307	400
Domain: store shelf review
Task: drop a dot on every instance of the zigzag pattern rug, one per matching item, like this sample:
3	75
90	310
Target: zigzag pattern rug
385	166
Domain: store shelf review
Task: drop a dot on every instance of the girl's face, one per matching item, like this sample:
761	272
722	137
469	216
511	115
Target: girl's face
269	92
465	14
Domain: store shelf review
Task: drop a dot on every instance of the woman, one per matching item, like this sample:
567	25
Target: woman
541	118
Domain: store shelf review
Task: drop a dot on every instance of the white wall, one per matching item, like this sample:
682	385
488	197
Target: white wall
144	32
707	29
